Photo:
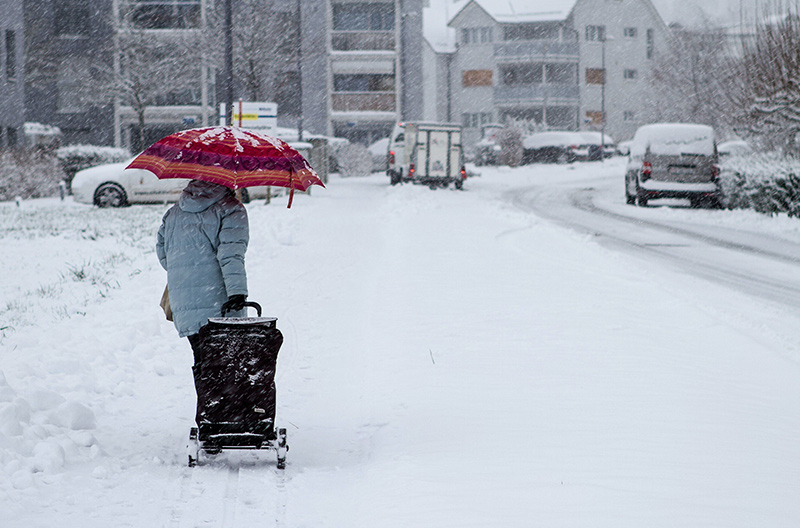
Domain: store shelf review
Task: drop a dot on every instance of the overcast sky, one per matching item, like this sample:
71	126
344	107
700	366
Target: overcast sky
690	12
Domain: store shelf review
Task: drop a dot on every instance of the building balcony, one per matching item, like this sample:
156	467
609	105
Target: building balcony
363	40
363	102
529	50
537	94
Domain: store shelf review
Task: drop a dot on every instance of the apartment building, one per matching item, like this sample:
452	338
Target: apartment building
632	32
11	73
361	66
553	65
75	56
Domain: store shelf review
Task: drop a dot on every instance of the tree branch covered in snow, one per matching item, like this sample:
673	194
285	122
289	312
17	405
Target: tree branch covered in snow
691	78
767	84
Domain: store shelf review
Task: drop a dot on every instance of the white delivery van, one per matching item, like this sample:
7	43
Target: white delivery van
426	153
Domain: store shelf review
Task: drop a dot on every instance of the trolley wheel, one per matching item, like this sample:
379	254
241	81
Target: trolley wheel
193	447
282	448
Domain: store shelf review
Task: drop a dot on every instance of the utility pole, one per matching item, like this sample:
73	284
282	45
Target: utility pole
300	69
228	30
603	100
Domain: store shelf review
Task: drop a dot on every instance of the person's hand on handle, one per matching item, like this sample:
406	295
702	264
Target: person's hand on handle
234	303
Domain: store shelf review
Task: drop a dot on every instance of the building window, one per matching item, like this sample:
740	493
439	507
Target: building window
72	17
363	82
471	78
522	74
476	120
531	32
71	84
164	14
595	76
363	16
650	43
594	117
479	35
629	115
560	73
11	55
629	32
595	33
629	74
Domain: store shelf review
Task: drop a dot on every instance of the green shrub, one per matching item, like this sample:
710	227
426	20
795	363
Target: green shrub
768	183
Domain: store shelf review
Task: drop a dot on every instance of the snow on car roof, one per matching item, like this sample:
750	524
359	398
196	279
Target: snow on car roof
552	139
673	139
594	137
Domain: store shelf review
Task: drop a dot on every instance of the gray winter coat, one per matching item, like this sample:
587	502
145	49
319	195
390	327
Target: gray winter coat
201	243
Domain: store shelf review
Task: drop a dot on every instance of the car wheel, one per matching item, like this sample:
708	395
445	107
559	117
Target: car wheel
641	199
630	199
110	195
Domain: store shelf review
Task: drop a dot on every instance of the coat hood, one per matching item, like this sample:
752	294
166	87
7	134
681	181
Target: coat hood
200	195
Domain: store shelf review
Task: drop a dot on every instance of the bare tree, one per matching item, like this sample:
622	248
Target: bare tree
690	80
265	48
767	80
155	71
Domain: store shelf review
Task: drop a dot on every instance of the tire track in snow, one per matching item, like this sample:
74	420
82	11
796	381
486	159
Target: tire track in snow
687	249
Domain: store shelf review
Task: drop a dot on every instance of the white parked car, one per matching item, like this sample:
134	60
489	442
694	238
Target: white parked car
554	147
593	140
735	147
112	185
379	155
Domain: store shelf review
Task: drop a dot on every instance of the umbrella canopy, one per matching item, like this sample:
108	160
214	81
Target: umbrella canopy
229	156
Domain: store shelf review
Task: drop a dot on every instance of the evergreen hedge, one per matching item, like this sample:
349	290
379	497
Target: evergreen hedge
768	183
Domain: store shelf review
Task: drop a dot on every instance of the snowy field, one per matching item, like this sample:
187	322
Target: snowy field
449	361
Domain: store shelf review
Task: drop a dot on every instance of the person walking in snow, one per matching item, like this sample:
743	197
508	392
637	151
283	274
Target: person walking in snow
201	243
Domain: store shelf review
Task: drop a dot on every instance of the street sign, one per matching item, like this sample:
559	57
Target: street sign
262	117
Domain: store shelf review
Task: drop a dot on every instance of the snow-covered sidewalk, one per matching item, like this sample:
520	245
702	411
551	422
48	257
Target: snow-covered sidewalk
448	361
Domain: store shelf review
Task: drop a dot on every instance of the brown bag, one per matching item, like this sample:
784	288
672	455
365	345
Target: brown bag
165	303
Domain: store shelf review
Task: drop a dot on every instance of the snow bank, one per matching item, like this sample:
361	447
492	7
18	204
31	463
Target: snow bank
41	433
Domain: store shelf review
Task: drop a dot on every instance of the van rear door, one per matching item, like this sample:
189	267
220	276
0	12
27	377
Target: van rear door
438	153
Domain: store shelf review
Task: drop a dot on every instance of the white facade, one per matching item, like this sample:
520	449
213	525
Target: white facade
545	66
633	32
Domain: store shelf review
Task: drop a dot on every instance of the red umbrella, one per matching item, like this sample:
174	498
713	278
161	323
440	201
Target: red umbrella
230	156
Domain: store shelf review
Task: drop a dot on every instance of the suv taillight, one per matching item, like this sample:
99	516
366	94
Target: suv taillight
714	172
463	173
391	157
647	170
411	170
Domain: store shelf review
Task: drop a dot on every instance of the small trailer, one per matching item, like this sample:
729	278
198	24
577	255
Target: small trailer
426	153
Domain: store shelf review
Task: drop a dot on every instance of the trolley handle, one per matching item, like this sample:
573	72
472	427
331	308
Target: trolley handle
251	304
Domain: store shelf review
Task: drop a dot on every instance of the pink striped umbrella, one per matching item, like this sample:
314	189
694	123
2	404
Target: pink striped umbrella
230	156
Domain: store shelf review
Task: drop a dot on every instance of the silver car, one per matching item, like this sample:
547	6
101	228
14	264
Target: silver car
673	160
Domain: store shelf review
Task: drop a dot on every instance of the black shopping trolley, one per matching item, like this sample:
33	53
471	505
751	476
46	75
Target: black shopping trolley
235	381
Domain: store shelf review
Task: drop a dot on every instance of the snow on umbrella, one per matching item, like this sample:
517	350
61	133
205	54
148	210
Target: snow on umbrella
229	156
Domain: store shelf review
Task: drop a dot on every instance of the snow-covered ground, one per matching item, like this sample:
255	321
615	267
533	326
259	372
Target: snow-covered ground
449	360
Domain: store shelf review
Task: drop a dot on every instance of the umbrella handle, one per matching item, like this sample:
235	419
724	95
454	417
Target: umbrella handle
291	190
251	304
